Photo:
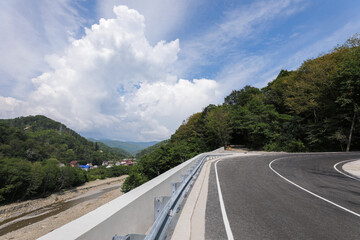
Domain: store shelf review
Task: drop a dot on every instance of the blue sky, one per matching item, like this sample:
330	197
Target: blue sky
134	70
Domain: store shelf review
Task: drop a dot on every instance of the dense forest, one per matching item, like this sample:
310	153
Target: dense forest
313	108
35	152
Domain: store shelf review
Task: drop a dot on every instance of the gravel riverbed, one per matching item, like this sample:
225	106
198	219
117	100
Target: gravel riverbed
111	188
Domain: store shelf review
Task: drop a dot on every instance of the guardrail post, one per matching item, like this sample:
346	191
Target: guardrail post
159	204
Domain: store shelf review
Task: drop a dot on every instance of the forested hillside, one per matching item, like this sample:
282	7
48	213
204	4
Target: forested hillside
31	150
150	149
314	108
36	138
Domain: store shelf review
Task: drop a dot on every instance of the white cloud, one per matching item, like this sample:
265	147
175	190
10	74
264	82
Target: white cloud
322	45
9	107
275	60
162	106
162	17
113	83
246	71
237	26
258	70
29	30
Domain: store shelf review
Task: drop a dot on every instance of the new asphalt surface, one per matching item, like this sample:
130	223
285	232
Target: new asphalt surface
260	204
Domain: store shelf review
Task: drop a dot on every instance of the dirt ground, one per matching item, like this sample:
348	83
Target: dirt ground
47	225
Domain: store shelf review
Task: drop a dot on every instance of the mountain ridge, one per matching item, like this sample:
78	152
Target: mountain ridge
129	146
36	138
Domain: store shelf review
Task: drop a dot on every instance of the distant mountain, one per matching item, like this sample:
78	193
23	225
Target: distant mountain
131	147
114	149
150	149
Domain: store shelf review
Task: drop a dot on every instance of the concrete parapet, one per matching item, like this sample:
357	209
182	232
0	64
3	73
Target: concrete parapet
132	212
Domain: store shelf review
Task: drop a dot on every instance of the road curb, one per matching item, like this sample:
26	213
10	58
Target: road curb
352	168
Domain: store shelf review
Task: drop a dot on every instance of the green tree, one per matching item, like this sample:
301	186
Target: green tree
52	176
348	81
217	126
135	178
242	97
15	179
36	179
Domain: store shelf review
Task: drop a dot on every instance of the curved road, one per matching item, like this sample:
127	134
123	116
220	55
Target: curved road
299	196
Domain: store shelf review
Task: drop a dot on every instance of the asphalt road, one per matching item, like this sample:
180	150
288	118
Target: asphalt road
262	205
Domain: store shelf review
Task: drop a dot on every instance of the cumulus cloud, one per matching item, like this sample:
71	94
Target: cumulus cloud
113	83
9	106
161	106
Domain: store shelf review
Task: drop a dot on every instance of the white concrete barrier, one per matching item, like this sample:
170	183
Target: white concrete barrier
132	212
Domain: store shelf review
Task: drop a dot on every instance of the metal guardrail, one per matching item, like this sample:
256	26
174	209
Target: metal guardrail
158	230
167	207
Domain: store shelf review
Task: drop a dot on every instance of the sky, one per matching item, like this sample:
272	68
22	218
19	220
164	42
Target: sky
134	70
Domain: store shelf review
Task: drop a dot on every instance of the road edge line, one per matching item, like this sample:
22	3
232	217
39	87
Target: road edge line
355	178
304	189
222	206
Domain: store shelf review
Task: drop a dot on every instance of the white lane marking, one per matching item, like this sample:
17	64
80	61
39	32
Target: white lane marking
222	206
324	199
335	167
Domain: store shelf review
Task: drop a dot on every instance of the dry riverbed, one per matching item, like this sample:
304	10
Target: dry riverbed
78	202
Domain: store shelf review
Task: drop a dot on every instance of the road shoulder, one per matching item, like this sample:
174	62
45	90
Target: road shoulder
191	223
